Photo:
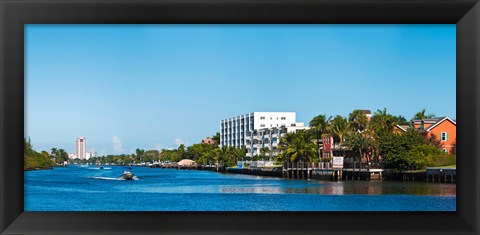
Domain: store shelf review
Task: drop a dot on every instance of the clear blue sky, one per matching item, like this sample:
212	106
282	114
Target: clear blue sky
156	86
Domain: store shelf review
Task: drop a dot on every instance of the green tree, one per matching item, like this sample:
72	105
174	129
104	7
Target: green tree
319	125
216	138
298	147
63	155
434	141
264	151
232	155
393	148
358	120
139	154
172	155
55	154
419	156
422	115
35	160
400	120
151	155
339	128
382	121
182	151
283	144
362	144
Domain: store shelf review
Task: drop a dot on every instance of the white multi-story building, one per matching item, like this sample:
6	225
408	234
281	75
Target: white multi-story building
81	147
257	130
270	138
88	155
72	155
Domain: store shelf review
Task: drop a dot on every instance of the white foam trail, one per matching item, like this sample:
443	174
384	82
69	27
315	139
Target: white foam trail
110	178
107	178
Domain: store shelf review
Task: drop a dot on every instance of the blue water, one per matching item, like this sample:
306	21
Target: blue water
76	188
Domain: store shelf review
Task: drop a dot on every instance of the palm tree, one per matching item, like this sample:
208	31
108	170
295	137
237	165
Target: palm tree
264	151
241	152
63	154
55	154
285	141
382	121
360	143
217	155
339	127
231	156
221	155
320	122
140	153
400	120
300	147
421	115
357	120
319	126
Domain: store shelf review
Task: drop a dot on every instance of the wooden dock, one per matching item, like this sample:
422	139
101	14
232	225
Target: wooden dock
307	170
325	171
362	174
441	175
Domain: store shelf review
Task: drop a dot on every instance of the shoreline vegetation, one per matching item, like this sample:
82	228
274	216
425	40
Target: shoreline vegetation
371	142
34	160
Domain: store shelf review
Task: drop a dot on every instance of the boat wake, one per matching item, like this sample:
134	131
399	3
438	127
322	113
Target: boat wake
110	178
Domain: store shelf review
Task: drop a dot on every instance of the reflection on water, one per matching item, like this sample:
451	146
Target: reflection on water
82	189
349	187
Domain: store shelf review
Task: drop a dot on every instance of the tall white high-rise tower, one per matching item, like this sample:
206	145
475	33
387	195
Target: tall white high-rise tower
81	148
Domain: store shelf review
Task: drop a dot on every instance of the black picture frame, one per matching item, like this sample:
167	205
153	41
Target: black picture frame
14	14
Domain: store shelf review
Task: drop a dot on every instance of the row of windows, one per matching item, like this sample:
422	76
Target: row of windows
282	118
283	125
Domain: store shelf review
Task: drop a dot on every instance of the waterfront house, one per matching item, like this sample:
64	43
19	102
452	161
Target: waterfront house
208	140
442	128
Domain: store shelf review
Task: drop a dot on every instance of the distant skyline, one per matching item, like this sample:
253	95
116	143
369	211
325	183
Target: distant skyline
124	87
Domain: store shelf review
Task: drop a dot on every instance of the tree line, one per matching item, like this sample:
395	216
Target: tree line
364	141
42	160
34	160
202	153
367	141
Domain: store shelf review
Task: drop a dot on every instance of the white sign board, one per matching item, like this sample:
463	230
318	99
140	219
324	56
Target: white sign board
337	162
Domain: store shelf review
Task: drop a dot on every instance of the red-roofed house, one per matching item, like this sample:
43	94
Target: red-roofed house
443	128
